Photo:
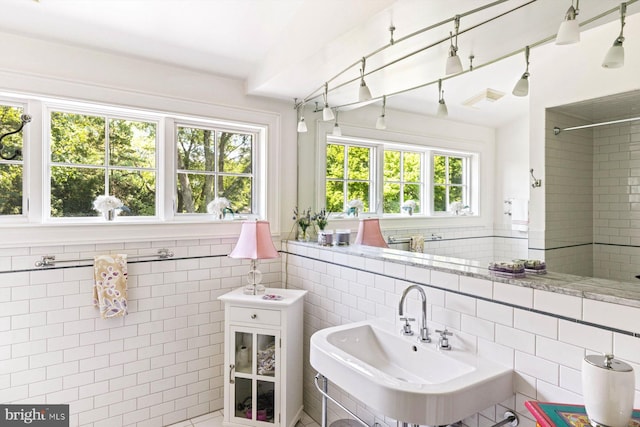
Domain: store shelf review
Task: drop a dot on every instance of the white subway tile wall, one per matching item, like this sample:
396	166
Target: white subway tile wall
545	351
160	364
592	198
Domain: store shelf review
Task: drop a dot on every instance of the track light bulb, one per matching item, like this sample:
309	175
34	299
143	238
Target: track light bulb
364	94
454	64
302	126
336	130
443	111
381	123
569	31
327	114
615	55
522	86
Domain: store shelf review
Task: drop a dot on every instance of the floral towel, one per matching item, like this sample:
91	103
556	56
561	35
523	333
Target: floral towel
110	287
416	244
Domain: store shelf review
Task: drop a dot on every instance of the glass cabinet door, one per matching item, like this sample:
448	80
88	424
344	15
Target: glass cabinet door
254	375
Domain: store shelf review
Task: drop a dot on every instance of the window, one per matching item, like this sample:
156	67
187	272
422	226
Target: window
92	155
215	163
397	179
450	182
402	180
348	176
11	171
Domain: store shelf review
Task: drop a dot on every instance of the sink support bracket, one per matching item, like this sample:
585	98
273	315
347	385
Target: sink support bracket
510	417
325	397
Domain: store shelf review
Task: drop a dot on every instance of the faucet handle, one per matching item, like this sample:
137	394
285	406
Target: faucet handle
443	342
406	328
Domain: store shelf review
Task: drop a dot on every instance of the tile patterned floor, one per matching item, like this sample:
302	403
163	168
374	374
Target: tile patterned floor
214	419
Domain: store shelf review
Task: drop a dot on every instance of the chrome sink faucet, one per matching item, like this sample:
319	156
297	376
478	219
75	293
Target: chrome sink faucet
406	330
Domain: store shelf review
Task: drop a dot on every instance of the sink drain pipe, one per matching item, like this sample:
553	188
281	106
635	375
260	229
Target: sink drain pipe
510	417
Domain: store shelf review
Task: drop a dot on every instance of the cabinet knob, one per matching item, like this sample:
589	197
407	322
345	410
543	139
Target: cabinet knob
254	316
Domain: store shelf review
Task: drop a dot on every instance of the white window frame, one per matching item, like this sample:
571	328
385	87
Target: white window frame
424	209
428	151
20	103
374	161
467	161
109	113
258	169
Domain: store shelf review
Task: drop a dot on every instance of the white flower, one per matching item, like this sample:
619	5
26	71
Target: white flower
456	206
217	205
356	203
107	203
409	204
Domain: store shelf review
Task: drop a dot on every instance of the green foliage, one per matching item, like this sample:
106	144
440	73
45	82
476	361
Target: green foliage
354	183
401	180
447	176
11	171
215	164
87	164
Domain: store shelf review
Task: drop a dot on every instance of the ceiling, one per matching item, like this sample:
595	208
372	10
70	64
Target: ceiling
287	49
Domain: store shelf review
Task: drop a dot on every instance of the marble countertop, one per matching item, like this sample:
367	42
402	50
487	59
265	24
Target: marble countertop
625	293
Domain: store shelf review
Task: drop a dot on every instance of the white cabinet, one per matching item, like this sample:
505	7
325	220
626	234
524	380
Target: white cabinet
263	358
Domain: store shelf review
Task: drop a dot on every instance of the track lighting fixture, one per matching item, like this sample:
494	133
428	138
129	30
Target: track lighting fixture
327	114
302	126
569	31
364	94
615	55
454	65
381	123
336	127
522	86
443	111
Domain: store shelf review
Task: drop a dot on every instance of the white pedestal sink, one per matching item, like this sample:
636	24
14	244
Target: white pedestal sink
409	381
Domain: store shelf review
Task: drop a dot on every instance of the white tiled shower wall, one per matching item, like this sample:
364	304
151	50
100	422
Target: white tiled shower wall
160	364
544	350
593	199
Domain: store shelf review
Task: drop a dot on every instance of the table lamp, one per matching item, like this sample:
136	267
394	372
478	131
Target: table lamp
369	233
254	243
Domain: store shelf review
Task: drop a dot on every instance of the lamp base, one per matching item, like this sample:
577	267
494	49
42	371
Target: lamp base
255	289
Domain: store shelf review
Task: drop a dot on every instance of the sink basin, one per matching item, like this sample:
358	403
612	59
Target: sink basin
409	381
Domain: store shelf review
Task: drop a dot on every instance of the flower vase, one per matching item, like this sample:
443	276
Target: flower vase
109	215
303	236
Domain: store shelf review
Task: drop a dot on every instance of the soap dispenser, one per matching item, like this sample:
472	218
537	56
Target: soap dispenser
608	390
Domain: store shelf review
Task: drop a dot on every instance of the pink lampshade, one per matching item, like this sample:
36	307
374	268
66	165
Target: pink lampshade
254	242
369	233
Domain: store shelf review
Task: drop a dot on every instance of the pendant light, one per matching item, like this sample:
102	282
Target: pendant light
381	123
454	65
443	111
364	94
522	86
302	126
327	114
569	31
336	127
615	55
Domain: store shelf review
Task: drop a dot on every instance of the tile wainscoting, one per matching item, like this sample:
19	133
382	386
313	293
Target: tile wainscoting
159	365
542	335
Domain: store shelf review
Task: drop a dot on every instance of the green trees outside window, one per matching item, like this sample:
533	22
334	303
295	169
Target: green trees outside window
402	180
214	163
93	155
449	184
11	200
348	176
